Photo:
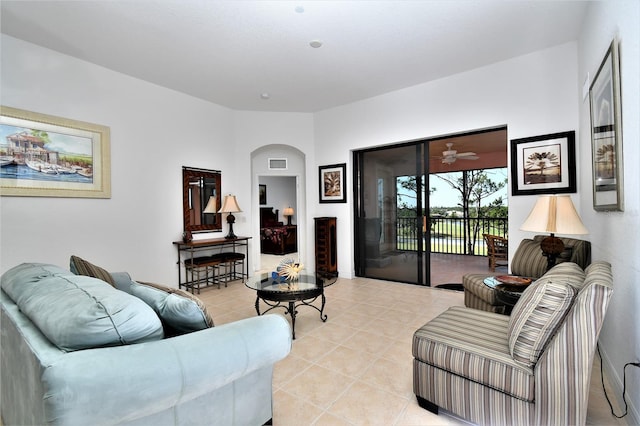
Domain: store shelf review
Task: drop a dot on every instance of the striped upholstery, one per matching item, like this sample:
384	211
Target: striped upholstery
462	361
527	262
80	266
576	251
536	317
473	344
479	296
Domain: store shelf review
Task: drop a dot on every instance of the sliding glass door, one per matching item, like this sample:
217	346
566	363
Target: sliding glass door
390	205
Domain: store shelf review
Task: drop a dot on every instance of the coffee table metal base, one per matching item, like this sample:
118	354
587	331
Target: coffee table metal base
287	301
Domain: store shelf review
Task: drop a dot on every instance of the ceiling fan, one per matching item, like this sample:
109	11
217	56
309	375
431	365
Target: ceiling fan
451	155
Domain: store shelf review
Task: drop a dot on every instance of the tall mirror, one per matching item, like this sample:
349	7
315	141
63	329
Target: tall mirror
201	200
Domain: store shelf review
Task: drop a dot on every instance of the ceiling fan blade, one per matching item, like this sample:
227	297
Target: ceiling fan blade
468	157
467	154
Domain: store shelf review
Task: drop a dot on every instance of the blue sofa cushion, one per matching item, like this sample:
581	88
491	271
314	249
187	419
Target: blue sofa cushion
179	311
77	312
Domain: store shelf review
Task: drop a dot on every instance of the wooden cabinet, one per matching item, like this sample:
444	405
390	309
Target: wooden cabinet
326	247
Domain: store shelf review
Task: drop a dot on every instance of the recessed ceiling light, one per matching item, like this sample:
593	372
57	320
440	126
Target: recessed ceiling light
265	95
315	44
299	9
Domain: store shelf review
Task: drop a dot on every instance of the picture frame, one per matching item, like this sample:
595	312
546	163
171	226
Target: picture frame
544	164
606	133
262	193
332	183
48	156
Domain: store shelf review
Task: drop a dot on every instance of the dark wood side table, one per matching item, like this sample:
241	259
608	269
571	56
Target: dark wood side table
507	294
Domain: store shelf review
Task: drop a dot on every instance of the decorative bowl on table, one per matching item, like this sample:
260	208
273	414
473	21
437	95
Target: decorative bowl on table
513	280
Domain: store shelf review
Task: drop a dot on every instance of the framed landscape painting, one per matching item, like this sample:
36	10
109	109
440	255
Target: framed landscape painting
332	183
544	164
606	134
46	156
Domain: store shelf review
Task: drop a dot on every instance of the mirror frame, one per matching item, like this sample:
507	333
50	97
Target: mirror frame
188	174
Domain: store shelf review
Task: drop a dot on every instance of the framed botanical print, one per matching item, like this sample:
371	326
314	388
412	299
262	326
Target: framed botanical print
606	133
544	164
332	183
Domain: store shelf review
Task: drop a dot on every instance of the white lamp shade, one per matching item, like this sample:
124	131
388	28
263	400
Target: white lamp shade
288	211
230	205
554	214
211	206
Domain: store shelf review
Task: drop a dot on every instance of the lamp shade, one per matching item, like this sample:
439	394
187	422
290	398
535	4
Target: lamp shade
230	205
211	206
554	214
288	211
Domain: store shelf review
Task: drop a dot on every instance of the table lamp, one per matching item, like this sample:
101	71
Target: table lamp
288	212
230	205
554	214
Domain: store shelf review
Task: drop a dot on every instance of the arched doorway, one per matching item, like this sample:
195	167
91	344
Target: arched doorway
267	163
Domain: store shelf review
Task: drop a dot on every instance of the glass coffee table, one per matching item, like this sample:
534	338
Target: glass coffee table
277	292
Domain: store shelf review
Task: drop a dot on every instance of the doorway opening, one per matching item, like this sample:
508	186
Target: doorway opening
275	190
401	234
278	220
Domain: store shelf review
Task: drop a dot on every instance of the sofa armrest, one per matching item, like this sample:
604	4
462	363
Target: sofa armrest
123	383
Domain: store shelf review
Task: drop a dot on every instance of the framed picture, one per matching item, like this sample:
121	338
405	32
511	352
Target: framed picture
544	164
333	184
262	191
606	133
47	156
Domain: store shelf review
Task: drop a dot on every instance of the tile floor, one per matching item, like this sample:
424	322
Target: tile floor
356	368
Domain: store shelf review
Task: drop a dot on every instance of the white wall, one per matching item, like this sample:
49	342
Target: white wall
615	236
533	95
154	132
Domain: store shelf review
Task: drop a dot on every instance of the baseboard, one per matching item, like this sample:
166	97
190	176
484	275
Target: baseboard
614	390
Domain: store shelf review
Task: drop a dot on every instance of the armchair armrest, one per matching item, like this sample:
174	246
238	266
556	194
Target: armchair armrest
142	379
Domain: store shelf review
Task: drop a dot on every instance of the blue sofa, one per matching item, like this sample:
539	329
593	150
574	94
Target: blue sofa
76	350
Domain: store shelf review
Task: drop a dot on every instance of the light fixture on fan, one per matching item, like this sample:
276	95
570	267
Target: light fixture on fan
451	155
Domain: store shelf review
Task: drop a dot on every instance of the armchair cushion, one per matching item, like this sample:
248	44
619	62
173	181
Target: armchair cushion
528	260
536	316
472	344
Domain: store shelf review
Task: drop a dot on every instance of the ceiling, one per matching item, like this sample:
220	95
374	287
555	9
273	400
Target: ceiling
233	52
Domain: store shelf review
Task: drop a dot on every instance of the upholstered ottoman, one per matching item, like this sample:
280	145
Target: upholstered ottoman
480	296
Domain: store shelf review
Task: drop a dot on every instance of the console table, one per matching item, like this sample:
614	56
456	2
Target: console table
212	261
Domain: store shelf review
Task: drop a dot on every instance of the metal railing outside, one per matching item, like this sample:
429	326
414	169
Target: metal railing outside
450	235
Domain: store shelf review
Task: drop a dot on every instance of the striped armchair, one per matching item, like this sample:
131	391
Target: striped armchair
532	368
527	261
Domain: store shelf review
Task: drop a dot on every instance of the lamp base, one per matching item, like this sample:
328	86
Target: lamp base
231	220
551	247
288	220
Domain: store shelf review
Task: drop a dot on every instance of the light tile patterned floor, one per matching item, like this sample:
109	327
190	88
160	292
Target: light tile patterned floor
356	368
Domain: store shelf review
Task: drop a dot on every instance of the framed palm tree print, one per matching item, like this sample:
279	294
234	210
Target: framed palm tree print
544	164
